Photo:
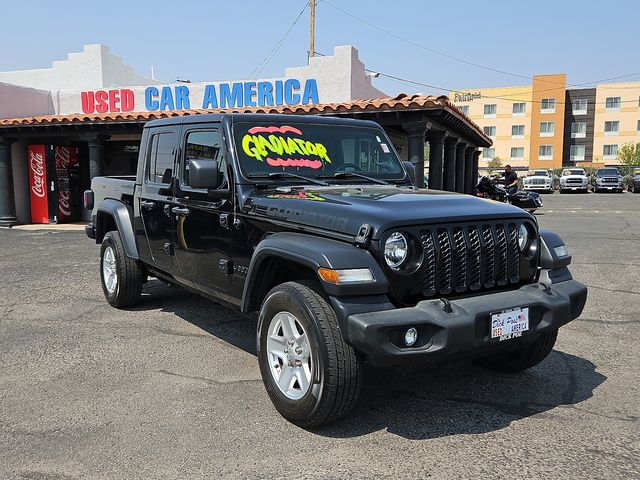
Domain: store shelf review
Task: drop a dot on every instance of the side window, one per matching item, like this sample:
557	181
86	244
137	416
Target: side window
203	144
160	163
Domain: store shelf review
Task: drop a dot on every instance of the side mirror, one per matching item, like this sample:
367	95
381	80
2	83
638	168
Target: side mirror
411	170
203	173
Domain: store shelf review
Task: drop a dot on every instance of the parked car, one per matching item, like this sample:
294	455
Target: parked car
539	180
312	225
574	179
633	183
608	179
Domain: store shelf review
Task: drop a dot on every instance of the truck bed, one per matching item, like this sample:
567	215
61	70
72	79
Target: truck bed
118	188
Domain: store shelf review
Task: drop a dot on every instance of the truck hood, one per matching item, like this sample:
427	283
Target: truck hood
581	177
343	209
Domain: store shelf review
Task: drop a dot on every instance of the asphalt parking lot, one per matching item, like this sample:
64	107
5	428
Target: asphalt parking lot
171	389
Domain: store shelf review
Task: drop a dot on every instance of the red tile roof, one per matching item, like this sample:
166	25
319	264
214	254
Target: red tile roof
400	102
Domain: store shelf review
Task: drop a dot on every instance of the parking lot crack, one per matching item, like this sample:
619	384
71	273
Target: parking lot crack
209	381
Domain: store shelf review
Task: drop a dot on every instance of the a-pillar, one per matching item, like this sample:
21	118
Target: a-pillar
468	170
476	165
436	156
460	151
450	163
7	208
415	139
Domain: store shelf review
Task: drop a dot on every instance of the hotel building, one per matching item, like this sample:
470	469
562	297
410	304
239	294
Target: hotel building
547	125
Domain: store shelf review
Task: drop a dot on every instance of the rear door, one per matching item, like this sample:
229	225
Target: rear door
202	222
156	195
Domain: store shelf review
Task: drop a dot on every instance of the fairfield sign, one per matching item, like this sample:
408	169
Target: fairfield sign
290	91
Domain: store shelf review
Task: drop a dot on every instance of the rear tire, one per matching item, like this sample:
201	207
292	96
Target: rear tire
526	357
311	374
121	277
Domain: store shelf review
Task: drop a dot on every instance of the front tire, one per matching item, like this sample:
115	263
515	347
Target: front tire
524	358
311	374
121	277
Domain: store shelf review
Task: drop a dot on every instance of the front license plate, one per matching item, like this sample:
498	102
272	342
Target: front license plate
509	323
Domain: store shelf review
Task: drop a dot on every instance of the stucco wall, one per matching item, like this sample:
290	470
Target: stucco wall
23	102
340	77
94	67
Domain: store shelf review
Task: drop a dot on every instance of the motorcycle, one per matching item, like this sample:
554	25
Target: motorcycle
491	189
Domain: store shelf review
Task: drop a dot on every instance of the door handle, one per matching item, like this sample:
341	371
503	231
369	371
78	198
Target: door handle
147	204
180	211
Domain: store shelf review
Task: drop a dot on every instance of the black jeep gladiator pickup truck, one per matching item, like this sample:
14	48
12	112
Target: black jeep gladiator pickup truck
314	224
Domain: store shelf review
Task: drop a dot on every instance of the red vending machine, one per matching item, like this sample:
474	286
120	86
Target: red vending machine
50	170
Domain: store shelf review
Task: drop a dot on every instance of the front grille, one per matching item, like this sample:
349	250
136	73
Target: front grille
574	180
538	181
469	258
610	180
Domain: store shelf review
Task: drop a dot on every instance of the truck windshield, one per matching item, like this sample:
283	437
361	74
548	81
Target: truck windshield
607	171
315	150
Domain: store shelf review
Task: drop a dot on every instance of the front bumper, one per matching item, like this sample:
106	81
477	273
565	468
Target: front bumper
465	330
544	188
574	186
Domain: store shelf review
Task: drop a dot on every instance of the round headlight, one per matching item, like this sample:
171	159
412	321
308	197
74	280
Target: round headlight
523	237
396	249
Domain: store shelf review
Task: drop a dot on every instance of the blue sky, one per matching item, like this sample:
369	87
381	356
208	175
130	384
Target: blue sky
221	40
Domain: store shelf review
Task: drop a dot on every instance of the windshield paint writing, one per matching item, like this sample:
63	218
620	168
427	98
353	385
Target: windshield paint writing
280	147
298	196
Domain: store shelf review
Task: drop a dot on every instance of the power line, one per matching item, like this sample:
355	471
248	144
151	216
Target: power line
452	57
265	61
423	47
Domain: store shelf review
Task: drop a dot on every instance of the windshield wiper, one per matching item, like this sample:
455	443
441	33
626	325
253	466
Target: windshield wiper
354	174
291	175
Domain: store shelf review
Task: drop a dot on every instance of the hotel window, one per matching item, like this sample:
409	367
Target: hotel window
490	110
489	131
545	152
578	129
548	105
519	109
547	129
517	152
517	131
488	153
612	103
464	109
610	152
576	153
579	106
611	128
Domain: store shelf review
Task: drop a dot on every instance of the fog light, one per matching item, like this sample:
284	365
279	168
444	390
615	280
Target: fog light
410	337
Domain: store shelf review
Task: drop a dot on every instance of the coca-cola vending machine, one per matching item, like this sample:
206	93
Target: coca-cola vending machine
52	171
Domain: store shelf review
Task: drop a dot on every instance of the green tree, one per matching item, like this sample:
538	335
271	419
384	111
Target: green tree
629	154
495	163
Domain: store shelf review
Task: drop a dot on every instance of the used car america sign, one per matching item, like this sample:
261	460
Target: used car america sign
215	95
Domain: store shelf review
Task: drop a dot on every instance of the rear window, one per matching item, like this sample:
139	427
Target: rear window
161	158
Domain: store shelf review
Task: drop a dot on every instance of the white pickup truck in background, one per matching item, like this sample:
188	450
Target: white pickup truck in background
539	180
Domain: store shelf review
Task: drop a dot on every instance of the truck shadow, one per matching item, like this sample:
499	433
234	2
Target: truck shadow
451	399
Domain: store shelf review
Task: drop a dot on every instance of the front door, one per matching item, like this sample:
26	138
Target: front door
156	195
202	243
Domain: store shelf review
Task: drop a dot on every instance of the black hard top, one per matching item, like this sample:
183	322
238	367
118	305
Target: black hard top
257	117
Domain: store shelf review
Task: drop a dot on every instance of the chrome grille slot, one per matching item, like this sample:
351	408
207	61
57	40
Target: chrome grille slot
459	260
513	254
501	255
475	258
489	257
429	265
444	262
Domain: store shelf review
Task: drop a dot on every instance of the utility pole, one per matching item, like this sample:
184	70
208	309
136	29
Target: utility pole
312	24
